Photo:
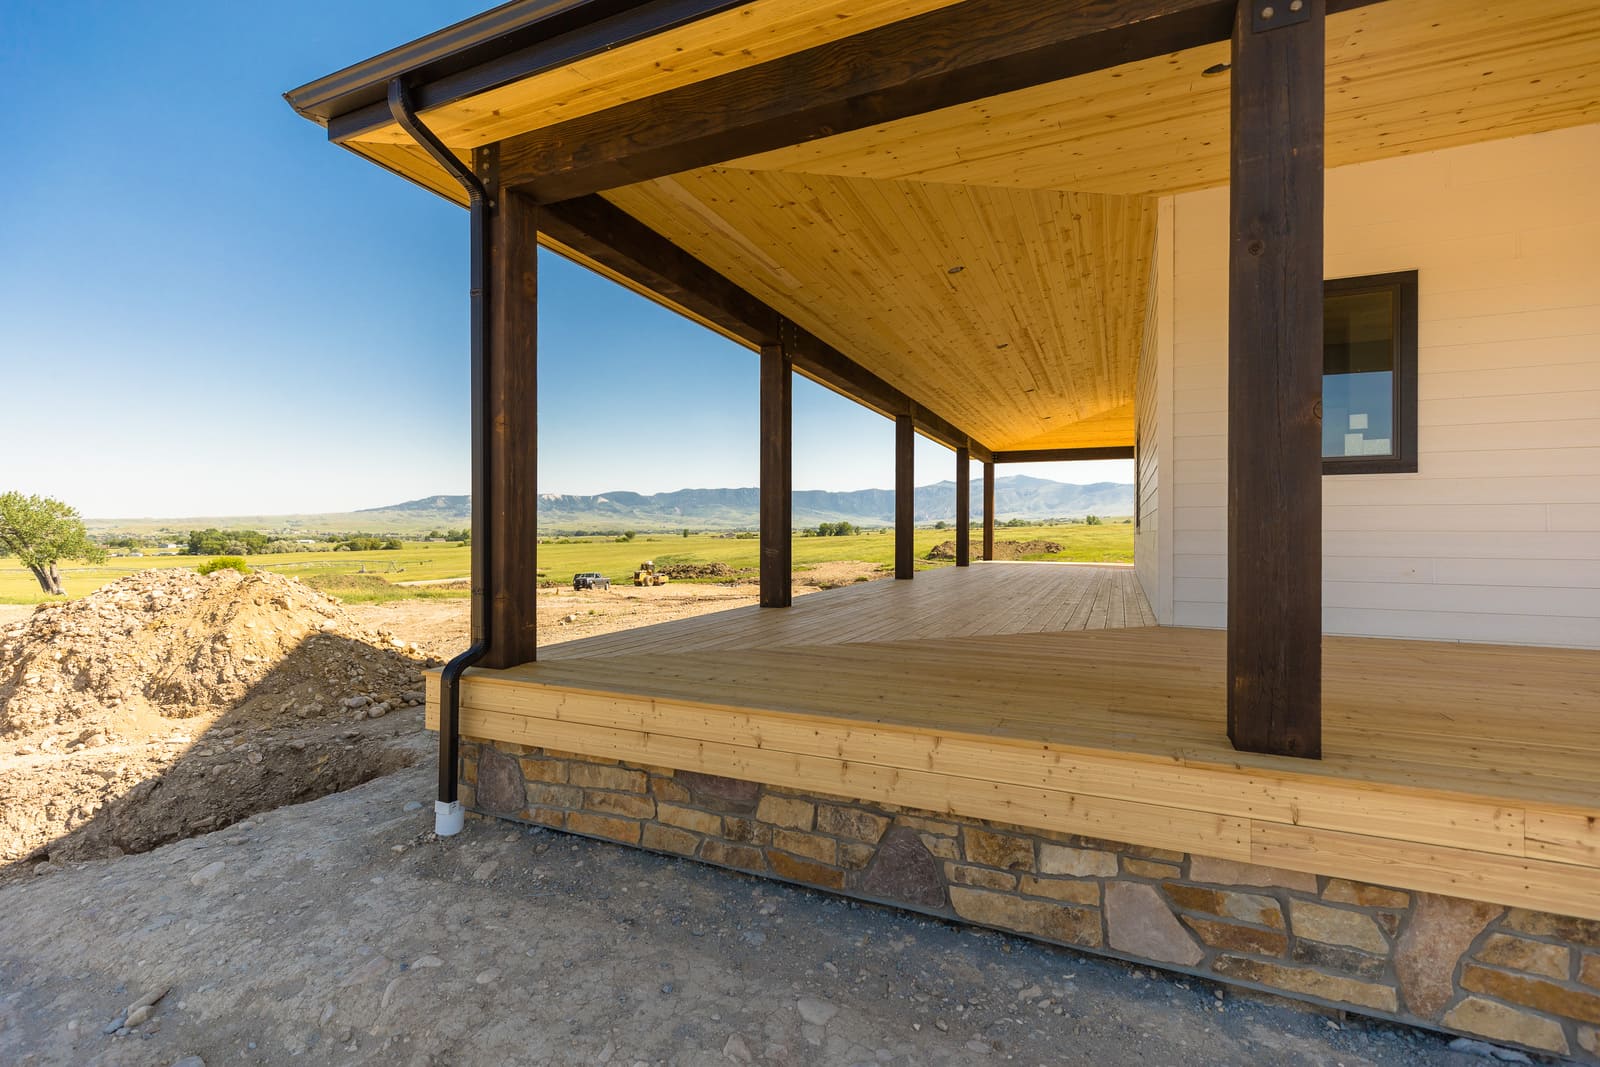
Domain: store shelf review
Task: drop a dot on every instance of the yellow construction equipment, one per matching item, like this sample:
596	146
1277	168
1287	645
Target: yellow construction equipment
646	574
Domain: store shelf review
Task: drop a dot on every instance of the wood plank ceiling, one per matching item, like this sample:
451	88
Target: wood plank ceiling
1044	197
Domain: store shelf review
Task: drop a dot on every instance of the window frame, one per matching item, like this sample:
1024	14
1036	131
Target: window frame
1403	286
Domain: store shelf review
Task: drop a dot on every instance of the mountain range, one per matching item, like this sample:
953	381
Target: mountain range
1016	497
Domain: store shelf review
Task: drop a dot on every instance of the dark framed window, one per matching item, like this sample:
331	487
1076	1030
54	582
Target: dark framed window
1369	374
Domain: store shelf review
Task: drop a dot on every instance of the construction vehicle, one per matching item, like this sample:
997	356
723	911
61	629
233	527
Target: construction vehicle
646	574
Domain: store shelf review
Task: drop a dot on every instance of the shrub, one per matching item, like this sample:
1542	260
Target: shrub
224	563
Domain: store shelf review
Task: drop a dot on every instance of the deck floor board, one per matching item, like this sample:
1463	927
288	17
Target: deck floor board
1008	691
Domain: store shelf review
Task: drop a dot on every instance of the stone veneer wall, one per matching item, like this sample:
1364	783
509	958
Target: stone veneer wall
1506	974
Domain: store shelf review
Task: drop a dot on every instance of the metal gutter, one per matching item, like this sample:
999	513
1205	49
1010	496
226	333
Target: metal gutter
507	44
448	815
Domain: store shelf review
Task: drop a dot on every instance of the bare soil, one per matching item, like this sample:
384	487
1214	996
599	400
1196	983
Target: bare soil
1010	550
342	932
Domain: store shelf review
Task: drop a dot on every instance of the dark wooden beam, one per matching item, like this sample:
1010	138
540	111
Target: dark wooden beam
1063	455
1275	381
988	510
939	59
963	507
905	497
511	359
777	477
596	230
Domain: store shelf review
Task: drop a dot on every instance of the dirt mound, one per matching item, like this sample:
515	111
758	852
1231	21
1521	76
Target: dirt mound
690	571
1002	549
177	644
171	703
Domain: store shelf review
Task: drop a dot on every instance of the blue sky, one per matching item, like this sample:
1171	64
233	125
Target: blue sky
206	309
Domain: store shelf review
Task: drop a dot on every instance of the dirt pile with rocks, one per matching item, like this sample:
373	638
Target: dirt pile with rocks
697	571
170	703
1010	550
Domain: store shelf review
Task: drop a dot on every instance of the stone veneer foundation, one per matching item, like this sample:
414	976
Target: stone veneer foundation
1509	975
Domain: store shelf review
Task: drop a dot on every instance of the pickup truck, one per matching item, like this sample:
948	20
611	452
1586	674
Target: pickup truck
590	580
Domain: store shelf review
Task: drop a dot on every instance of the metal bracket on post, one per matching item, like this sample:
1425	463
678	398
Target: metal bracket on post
1276	14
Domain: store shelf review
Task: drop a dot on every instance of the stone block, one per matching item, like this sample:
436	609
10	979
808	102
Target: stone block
1005	851
1063	889
1520	954
1150	869
554	818
554	796
469	771
701	822
733	796
946	848
1531	992
786	812
1501	1022
1344	891
632	805
1231	872
593	776
854	855
726	854
746	831
1077	862
1055	922
1584	932
501	788
1139	923
982	877
624	830
1589	969
812	846
535	769
1336	989
904	870
1439	933
1338	958
669	790
1225	903
806	871
853	823
1235	938
1145	852
1589	1040
1337	926
669	839
928	826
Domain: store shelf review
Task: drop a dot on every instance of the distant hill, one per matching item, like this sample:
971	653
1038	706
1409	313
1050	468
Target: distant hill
1016	497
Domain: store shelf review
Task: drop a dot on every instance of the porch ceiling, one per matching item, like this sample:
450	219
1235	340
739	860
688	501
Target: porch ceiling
1042	196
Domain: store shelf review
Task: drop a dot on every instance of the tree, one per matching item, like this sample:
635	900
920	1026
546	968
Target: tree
41	531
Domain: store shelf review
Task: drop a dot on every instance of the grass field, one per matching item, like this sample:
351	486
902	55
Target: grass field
559	560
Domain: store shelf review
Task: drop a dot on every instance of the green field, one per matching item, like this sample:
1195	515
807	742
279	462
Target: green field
560	559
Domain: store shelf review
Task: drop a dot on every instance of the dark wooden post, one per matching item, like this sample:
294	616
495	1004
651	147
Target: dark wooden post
963	507
988	510
1275	380
511	408
777	477
905	493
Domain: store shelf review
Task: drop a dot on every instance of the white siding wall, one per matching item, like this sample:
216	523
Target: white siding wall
1497	537
1152	544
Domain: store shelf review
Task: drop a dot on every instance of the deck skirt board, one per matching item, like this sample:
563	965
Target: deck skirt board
1449	768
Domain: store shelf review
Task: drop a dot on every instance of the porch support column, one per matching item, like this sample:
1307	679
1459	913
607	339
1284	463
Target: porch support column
1275	380
905	491
988	510
963	507
777	477
511	408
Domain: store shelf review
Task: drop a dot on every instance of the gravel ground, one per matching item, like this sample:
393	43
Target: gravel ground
339	931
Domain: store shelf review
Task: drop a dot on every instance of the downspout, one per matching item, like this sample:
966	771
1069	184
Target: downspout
448	817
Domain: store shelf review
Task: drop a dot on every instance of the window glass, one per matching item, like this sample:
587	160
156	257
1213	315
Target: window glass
1358	374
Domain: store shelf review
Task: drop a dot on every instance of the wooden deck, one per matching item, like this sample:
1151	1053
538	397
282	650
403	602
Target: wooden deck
1039	695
